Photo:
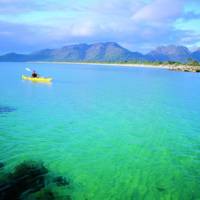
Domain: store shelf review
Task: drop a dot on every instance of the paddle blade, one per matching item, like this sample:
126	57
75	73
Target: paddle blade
27	69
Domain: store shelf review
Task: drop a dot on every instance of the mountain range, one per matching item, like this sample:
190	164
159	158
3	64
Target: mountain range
104	52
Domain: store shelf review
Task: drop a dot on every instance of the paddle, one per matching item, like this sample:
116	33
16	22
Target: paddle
27	69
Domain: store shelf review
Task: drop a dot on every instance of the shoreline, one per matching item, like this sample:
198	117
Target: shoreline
185	68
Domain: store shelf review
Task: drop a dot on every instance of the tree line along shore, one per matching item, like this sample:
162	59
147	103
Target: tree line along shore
190	66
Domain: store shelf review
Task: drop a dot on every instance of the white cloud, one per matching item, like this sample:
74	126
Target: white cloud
136	23
83	29
160	11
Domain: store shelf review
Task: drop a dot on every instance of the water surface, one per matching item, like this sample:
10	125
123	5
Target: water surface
118	133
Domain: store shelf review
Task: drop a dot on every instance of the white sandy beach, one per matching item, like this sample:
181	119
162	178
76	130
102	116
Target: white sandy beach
186	68
111	64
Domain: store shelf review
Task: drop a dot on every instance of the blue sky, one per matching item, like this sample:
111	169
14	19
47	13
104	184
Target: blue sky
30	25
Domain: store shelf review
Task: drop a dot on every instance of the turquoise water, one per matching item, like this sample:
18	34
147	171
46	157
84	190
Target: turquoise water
118	133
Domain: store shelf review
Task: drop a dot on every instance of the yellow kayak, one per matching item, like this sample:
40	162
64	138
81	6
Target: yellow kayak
38	79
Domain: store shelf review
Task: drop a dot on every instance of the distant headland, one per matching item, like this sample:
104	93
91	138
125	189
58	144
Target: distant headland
171	57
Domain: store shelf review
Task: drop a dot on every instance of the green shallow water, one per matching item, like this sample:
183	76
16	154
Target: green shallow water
118	133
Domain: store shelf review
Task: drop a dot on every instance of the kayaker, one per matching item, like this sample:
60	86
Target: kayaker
34	74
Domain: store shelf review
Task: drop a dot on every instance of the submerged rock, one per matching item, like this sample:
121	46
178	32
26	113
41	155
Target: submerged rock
45	194
161	189
6	109
30	180
68	197
1	165
61	181
27	177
